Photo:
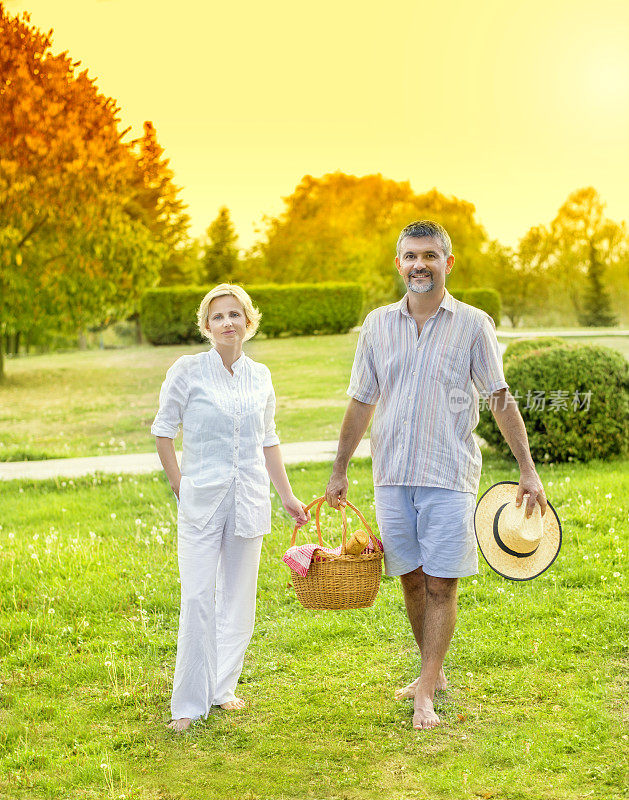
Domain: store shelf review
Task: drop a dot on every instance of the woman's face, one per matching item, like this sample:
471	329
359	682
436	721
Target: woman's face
227	322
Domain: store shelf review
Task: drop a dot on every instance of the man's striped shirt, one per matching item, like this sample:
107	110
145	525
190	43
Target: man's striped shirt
426	389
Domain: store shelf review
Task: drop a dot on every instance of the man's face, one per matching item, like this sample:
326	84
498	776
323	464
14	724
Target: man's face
423	265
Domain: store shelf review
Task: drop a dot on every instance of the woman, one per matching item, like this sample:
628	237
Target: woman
226	404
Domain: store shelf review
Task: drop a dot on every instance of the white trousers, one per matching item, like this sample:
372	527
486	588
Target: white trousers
219	574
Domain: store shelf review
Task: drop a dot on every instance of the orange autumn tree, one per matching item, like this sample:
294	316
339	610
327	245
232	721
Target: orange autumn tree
71	253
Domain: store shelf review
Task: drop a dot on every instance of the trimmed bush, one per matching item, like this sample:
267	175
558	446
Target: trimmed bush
169	315
574	401
519	347
487	300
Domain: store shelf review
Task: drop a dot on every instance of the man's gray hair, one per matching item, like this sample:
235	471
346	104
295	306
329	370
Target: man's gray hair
426	227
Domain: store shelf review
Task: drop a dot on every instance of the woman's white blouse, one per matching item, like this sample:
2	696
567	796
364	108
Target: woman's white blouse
227	420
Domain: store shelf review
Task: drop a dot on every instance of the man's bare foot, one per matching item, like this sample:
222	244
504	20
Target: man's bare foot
408	692
180	725
233	705
424	717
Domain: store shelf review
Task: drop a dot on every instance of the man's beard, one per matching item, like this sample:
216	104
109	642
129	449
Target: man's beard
420	288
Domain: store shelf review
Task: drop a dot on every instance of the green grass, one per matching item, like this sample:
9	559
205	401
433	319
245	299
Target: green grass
88	609
102	402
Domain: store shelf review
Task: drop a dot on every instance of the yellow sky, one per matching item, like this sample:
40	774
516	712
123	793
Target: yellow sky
508	105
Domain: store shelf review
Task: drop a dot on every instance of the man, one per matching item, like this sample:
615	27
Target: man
420	363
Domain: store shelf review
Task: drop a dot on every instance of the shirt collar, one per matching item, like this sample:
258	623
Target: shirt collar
237	366
448	303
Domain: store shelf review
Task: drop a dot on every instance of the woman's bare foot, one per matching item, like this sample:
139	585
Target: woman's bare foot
180	725
408	692
424	717
237	704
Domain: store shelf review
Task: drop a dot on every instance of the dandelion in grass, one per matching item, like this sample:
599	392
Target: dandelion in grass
355	482
619	551
567	479
608	496
588	502
612	530
113	515
474	582
500	590
585	558
119	478
597	555
616	574
138	522
588	525
11	535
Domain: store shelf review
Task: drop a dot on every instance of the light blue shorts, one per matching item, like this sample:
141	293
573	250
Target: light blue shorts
428	527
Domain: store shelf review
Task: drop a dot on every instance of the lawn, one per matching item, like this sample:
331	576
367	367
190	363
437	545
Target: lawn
88	609
101	402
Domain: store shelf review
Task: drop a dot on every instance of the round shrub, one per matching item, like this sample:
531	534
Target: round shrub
486	299
574	401
519	347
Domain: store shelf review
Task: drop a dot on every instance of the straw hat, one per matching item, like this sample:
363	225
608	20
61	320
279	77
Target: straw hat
514	546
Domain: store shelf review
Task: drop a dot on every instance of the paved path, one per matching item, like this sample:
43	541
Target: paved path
293	452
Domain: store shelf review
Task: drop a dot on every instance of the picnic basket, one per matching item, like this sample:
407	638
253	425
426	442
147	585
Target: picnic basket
337	582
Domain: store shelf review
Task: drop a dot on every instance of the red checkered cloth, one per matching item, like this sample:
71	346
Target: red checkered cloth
299	557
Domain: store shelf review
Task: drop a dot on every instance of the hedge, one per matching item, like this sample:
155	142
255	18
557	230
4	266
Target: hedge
563	424
520	347
486	299
169	315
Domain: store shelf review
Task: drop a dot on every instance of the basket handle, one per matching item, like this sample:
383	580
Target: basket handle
319	502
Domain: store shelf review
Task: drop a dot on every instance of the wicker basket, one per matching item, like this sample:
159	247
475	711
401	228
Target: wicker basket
342	581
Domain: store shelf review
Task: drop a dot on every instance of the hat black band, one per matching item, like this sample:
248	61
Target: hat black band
501	544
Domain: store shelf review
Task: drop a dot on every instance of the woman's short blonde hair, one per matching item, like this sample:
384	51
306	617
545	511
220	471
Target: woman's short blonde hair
253	316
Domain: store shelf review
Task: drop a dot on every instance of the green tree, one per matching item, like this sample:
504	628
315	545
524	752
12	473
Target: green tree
220	262
511	277
596	310
577	260
183	267
343	227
